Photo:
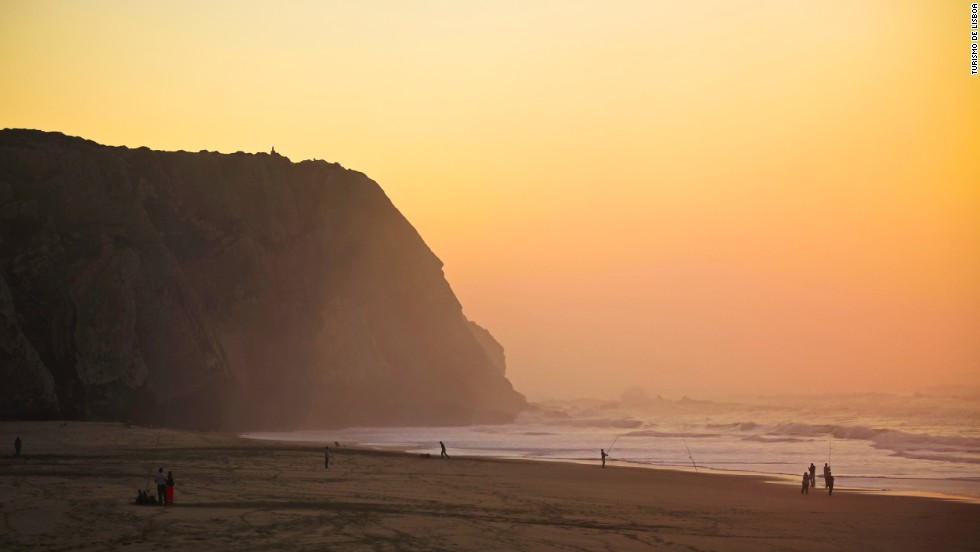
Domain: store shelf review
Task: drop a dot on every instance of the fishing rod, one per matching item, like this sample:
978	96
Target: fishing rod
149	467
156	452
608	450
830	447
689	455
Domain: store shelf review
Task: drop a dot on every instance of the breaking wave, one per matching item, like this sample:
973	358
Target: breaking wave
651	433
765	439
739	426
949	448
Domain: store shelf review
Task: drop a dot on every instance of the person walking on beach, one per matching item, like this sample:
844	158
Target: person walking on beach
604	455
813	475
161	481
170	487
326	458
443	453
806	483
17	446
830	485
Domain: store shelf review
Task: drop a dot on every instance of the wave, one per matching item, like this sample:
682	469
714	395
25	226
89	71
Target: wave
740	426
869	433
765	439
620	423
651	433
940	457
913	441
949	448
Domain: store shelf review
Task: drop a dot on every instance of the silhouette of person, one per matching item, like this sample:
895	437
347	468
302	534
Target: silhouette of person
161	481
813	475
806	483
170	487
17	446
826	475
443	453
830	485
326	458
604	455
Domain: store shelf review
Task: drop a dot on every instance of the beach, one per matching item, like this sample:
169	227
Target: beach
74	485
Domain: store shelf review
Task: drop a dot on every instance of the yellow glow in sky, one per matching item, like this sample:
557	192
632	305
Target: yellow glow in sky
695	197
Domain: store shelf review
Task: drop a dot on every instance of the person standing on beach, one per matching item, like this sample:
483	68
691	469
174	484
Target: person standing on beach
604	455
161	481
170	487
443	453
830	485
17	446
826	475
813	475
806	483
326	458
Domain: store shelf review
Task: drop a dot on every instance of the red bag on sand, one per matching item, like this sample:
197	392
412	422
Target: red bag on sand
170	494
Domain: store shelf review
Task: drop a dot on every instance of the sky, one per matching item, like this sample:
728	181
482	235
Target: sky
695	198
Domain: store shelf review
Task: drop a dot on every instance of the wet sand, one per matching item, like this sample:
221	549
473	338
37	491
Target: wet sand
74	485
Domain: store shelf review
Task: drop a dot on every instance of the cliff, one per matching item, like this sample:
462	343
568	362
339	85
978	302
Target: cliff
235	291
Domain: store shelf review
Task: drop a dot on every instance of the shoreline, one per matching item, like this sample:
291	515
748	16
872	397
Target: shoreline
776	478
74	485
763	477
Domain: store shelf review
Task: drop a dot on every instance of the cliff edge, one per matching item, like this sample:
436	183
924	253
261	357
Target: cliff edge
224	291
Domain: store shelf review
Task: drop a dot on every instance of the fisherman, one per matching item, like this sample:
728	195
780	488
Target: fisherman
161	481
604	455
806	483
326	458
826	475
17	446
443	453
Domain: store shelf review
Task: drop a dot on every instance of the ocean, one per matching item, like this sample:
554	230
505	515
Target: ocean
911	444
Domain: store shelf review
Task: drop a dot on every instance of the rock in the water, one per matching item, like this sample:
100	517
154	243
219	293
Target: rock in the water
212	290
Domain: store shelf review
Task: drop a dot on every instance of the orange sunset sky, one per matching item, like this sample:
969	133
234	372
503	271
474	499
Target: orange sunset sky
699	198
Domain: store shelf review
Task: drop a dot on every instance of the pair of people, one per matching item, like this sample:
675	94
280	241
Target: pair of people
810	479
828	479
165	486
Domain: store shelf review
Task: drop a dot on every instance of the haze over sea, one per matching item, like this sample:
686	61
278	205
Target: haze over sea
922	443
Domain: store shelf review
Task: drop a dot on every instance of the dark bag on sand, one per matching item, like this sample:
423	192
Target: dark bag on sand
143	498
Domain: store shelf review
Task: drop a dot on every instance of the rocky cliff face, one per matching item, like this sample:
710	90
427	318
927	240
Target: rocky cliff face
212	290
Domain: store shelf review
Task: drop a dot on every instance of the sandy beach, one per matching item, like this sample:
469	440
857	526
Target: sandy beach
74	484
